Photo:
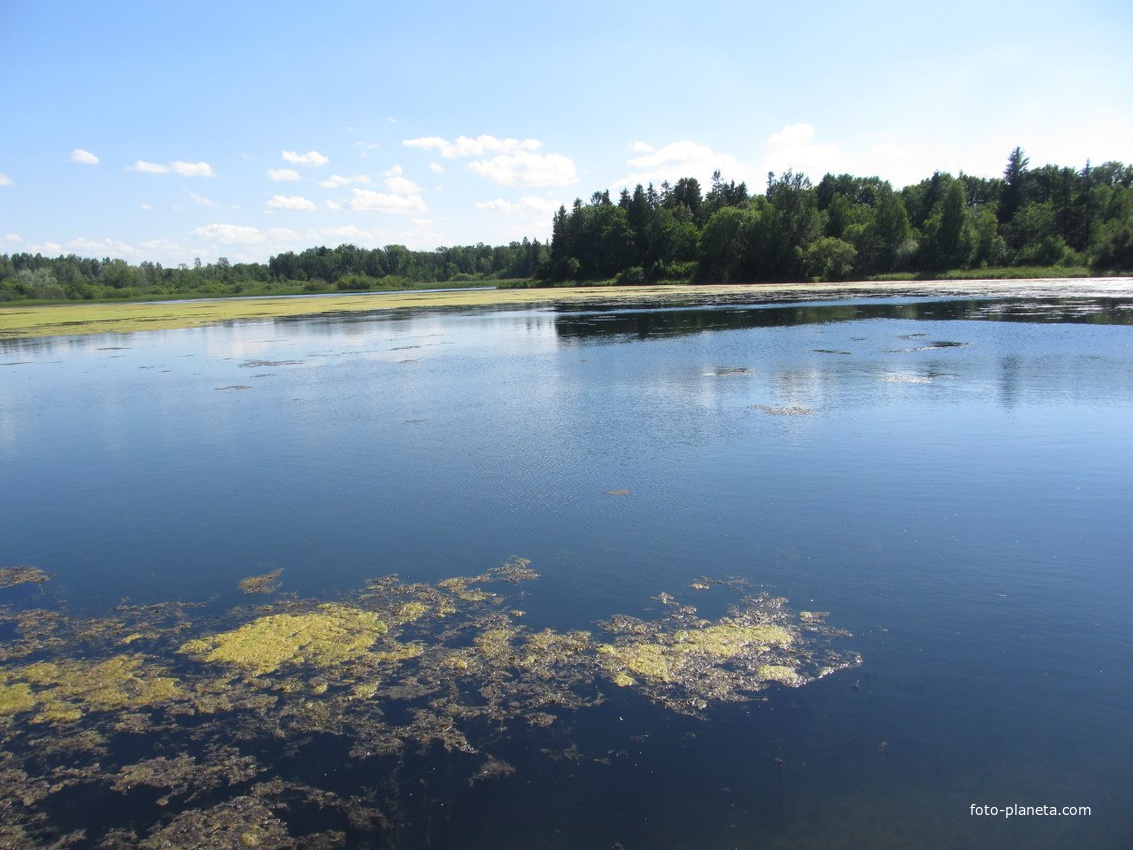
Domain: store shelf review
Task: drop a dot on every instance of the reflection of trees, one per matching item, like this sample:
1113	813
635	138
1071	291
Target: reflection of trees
1009	380
579	322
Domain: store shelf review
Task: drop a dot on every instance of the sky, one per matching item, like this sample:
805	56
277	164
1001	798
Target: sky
170	131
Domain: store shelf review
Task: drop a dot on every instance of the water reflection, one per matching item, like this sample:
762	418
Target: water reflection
583	323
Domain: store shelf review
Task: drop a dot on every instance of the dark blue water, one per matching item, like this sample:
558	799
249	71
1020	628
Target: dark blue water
950	478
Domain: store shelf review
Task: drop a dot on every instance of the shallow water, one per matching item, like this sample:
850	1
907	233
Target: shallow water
948	477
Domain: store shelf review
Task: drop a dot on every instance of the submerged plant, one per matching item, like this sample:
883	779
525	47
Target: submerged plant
171	715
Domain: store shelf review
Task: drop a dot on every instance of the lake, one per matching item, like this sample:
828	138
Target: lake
744	574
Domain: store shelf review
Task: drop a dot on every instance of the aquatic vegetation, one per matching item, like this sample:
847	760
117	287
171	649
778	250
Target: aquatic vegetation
22	574
493	768
175	727
64	690
686	663
261	364
329	635
906	379
794	410
780	673
16	697
266	583
460	586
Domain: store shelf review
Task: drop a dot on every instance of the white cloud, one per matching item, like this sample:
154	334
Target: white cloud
527	169
230	234
367	200
294	202
192	169
465	146
680	159
310	158
14	238
349	233
283	174
201	199
794	149
364	148
83	157
436	168
402	186
524	204
333	205
102	248
147	207
5	180
515	163
336	180
398	184
184	169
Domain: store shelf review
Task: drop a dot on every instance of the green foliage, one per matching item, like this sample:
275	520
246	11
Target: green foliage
728	243
346	268
1049	217
830	258
853	226
633	276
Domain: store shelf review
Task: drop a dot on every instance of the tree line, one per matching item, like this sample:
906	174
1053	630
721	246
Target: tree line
849	226
346	268
1073	220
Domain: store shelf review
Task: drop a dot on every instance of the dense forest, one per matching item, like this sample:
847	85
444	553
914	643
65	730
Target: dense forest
346	268
852	227
1071	221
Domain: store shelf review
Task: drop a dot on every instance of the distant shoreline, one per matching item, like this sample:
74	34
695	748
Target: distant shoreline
17	322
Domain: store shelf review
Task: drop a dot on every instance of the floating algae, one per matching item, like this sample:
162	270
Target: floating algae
794	410
686	663
330	635
266	583
64	690
22	574
201	730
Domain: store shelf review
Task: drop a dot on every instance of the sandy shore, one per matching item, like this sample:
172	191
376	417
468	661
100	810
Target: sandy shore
86	318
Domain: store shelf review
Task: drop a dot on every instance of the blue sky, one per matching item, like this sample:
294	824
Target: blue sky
169	131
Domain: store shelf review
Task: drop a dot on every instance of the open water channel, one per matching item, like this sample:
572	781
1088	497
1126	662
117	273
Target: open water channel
940	488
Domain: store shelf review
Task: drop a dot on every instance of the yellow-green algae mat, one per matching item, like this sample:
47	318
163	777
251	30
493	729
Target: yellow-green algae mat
168	717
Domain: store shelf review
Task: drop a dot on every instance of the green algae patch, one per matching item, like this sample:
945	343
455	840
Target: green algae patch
64	690
330	635
266	583
675	657
687	663
389	673
728	639
461	587
15	698
22	574
781	674
411	611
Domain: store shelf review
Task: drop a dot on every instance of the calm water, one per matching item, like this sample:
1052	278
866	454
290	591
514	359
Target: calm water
954	487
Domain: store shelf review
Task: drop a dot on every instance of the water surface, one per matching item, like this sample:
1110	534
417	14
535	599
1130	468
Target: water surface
948	477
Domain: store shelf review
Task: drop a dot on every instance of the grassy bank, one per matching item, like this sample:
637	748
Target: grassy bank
18	321
1005	273
24	320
